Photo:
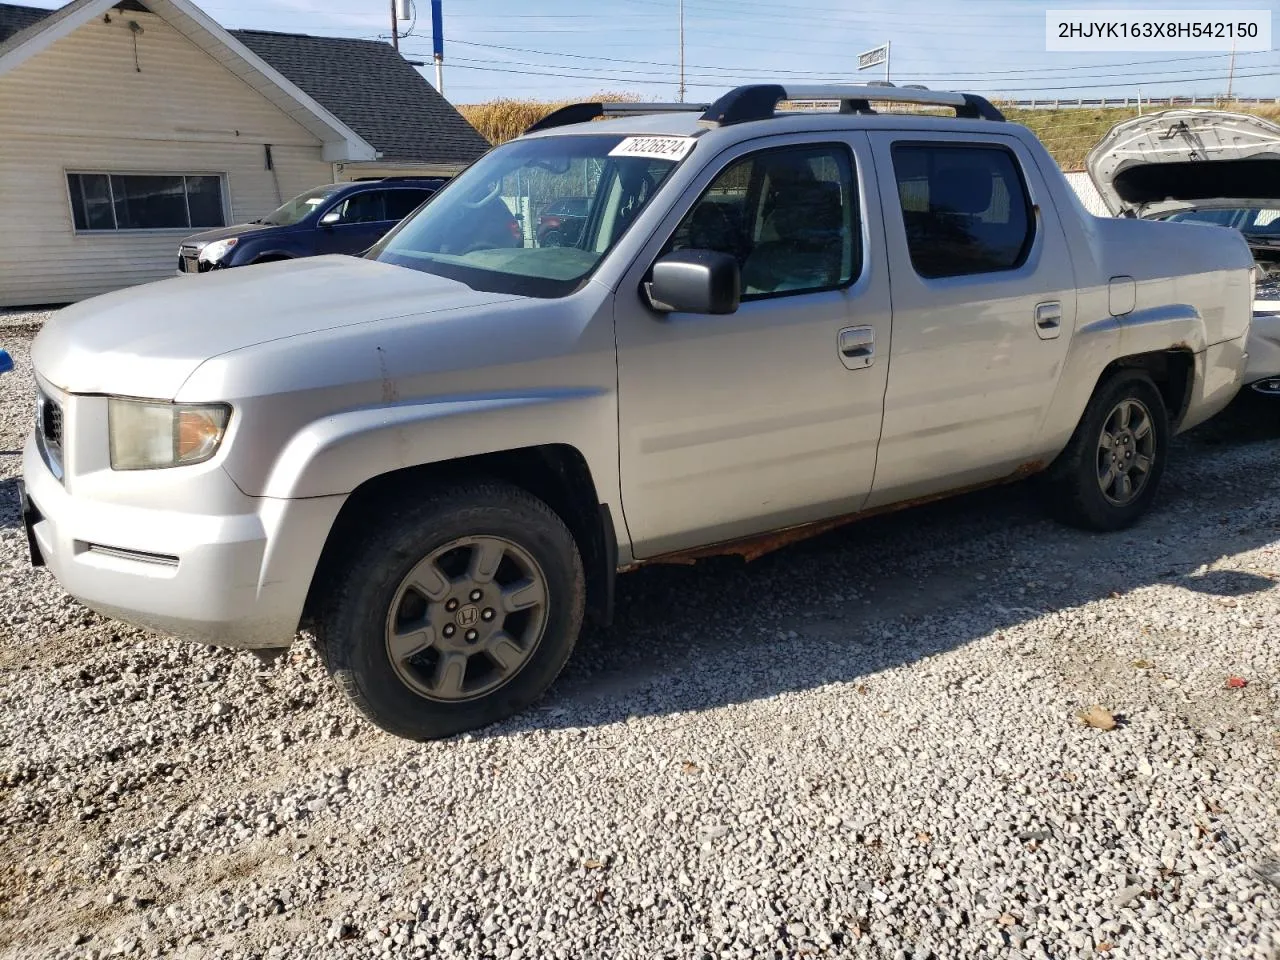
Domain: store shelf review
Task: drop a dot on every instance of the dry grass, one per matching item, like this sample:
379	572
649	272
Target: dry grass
1069	133
500	120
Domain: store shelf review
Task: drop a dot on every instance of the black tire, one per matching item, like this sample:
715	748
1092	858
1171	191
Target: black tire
552	238
353	626
1071	486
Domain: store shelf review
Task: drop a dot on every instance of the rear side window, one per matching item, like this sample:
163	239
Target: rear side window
401	203
965	208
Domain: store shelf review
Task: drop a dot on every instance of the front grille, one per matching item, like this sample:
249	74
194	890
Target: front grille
51	423
49	431
189	258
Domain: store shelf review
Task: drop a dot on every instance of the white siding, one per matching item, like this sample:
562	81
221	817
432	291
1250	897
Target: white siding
82	105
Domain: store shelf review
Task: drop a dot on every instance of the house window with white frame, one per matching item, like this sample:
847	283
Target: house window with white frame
102	202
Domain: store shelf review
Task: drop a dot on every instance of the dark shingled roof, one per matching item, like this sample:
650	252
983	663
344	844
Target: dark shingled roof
364	83
374	91
15	19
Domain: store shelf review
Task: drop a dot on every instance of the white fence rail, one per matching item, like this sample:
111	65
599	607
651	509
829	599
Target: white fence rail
1117	102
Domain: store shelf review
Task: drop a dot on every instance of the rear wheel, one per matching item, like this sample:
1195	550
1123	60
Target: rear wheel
454	612
1108	474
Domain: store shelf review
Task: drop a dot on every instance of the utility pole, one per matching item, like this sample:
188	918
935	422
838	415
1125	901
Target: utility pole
1231	70
395	28
680	94
437	42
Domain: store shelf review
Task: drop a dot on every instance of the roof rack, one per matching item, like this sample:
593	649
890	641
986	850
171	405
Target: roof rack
582	112
759	101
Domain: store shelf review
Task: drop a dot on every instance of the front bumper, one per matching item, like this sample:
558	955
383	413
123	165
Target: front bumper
236	579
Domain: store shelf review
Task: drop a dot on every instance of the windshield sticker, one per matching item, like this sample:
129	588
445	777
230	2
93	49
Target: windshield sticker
659	148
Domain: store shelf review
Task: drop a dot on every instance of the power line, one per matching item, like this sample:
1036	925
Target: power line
1025	74
634	75
720	85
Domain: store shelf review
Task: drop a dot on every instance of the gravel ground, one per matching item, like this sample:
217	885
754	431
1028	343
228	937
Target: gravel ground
863	746
25	320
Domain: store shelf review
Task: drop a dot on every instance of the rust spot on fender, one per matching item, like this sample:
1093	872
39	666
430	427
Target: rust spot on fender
389	392
754	547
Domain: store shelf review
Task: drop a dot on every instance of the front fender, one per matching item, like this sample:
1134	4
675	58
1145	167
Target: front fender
337	453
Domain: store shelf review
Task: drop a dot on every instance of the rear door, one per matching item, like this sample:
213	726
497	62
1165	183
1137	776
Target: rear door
983	309
767	417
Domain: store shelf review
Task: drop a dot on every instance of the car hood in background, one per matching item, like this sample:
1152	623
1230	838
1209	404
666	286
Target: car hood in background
1176	159
235	230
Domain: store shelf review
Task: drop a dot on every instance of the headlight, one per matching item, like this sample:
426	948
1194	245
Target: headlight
213	252
148	435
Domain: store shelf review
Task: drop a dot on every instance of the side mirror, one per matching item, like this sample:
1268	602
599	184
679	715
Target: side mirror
330	218
695	281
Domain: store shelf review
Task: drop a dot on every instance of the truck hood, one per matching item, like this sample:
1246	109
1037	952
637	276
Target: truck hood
146	341
1176	159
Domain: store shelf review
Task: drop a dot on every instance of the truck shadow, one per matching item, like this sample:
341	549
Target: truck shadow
894	589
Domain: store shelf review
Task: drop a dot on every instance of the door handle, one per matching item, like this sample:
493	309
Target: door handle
857	347
1048	320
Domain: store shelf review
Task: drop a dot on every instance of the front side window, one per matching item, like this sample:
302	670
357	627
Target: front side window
364	207
965	208
483	229
132	201
788	215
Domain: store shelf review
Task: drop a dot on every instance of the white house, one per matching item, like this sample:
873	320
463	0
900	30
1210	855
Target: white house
126	125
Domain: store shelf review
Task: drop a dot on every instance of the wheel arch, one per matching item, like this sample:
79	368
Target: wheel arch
1173	372
558	474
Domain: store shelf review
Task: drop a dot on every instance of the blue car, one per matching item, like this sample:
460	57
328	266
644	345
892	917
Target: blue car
334	218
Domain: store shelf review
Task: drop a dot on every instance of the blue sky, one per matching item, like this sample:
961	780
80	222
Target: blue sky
563	48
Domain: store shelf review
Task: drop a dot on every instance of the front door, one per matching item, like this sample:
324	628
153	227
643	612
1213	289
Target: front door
767	417
983	309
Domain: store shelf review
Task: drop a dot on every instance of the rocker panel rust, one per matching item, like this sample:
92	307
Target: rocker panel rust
756	546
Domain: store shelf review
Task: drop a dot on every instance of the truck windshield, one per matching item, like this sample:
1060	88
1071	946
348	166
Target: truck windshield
483	228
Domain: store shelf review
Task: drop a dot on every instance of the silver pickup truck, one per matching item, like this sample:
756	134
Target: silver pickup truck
771	321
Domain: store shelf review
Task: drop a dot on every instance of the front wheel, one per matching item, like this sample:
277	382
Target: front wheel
1108	474
454	612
